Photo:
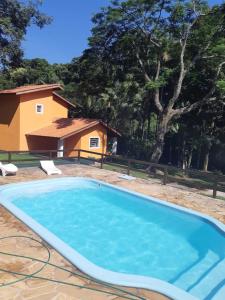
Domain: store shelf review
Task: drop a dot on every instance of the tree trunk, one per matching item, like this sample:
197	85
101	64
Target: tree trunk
208	148
190	155
161	131
142	129
198	157
148	126
170	151
183	150
206	160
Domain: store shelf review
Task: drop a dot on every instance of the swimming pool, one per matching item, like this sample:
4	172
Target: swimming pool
125	238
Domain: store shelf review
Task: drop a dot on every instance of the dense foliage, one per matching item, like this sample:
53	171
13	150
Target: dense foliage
154	70
15	17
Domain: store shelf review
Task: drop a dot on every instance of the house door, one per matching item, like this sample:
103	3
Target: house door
61	148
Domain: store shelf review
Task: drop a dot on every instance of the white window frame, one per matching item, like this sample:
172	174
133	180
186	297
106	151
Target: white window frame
42	109
94	137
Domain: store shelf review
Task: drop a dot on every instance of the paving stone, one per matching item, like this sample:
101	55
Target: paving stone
35	289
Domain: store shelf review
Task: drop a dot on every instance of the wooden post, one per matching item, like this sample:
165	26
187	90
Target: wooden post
165	176
128	167
9	157
78	158
50	155
101	162
215	185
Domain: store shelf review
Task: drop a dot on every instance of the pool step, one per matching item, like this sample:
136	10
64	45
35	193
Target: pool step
210	282
205	277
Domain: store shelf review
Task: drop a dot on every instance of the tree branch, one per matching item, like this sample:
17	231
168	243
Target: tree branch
147	78
156	97
203	50
206	99
183	71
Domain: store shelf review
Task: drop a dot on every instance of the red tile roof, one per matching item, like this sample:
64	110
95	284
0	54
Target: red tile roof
32	88
65	127
36	88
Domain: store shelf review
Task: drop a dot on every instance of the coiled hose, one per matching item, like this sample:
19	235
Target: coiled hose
34	275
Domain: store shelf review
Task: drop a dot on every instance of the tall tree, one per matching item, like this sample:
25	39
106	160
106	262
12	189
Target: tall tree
15	17
168	42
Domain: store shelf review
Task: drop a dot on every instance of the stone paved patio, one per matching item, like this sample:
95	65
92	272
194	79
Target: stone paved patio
44	290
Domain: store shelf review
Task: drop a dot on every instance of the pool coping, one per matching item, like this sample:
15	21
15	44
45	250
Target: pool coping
90	268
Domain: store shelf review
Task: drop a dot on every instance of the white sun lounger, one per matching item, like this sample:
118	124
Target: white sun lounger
49	167
8	169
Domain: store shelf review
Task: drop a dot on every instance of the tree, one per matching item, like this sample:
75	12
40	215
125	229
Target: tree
168	43
202	131
34	71
106	91
15	17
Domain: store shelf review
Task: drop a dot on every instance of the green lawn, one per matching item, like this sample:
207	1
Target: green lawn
19	157
191	181
123	169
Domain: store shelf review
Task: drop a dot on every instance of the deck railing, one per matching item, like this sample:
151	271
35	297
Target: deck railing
214	181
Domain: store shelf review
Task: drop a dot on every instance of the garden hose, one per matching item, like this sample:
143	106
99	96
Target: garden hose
47	263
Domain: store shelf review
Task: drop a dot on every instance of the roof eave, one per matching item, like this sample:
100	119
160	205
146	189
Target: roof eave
58	87
94	123
64	100
79	130
46	136
110	128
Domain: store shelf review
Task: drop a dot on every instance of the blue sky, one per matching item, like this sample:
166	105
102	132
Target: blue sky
66	37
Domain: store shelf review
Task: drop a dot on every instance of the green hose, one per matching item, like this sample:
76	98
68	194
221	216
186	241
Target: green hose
47	262
28	275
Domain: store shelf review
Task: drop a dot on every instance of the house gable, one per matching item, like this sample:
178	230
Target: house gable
31	119
81	140
28	108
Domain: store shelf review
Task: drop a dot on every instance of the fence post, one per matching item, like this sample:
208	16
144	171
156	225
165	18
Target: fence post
128	167
215	185
9	157
101	161
165	176
78	158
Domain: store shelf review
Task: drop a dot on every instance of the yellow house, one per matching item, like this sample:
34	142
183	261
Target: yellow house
35	117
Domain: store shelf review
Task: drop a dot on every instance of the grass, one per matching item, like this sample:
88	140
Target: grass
211	196
220	198
22	159
197	183
189	180
30	160
123	169
4	156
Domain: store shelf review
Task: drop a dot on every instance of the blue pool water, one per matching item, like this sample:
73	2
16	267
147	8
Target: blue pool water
126	233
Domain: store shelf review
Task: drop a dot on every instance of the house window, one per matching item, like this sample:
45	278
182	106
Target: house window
39	108
94	142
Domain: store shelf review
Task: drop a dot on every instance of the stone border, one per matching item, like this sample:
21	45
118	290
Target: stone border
88	267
